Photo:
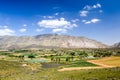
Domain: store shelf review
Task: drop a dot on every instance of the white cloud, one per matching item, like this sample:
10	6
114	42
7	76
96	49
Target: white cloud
98	5
88	22
75	20
3	27
95	20
49	17
83	20
83	13
56	14
4	30
24	25
87	7
23	30
59	30
56	23
74	25
39	30
44	16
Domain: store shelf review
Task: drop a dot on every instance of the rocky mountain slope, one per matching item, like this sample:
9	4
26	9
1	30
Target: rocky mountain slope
116	45
48	40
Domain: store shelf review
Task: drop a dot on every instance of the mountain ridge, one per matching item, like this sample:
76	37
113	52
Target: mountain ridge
48	40
116	45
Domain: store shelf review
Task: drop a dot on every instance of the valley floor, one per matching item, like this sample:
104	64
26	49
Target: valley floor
108	69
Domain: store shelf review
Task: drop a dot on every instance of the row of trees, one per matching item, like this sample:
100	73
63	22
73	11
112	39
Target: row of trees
59	59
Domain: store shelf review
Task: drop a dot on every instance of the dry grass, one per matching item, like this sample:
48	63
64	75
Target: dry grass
109	61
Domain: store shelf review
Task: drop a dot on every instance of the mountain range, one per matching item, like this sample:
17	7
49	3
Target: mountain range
48	41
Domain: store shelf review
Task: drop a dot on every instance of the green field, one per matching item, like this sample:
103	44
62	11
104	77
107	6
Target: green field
14	71
80	63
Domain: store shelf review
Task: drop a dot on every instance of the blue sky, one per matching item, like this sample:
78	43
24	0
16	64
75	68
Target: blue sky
95	19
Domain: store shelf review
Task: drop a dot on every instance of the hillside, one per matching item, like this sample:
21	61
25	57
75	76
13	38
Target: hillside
116	45
48	41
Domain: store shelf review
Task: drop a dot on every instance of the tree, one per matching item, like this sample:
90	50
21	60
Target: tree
67	59
21	57
31	56
82	54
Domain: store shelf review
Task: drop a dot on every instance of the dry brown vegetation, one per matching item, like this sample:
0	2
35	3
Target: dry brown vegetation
108	61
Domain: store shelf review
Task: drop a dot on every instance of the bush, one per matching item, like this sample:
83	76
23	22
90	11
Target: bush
31	56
